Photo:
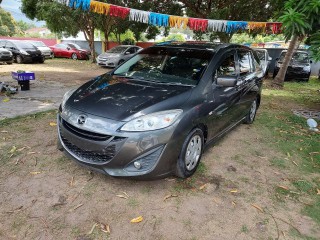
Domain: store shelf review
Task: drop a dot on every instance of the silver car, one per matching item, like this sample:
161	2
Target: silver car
117	55
45	50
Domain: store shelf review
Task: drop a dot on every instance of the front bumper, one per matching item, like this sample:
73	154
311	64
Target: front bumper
108	62
113	152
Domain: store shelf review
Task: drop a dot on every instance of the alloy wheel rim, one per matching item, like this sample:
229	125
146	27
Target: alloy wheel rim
193	152
253	110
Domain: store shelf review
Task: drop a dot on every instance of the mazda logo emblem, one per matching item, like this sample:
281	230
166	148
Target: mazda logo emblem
82	119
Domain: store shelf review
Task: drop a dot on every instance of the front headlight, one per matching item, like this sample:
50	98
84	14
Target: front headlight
307	68
24	52
66	96
152	121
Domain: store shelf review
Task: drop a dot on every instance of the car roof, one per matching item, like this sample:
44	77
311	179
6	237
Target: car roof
296	51
201	45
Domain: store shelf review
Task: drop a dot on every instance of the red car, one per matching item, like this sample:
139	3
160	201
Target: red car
65	51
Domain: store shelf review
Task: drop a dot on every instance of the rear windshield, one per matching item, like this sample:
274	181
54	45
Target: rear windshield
165	65
73	45
301	57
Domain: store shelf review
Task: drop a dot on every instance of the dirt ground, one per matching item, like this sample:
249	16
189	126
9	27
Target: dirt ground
44	195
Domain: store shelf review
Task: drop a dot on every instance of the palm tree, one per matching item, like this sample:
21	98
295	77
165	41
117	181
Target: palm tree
299	18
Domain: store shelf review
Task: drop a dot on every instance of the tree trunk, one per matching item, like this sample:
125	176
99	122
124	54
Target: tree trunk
224	37
278	81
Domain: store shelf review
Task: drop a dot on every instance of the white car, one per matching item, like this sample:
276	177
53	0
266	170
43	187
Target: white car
45	50
117	55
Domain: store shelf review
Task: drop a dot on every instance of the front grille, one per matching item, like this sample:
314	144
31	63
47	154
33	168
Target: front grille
89	156
83	133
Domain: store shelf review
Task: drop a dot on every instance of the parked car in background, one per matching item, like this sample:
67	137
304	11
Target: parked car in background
153	115
6	56
77	47
299	67
22	51
117	55
64	51
265	59
46	51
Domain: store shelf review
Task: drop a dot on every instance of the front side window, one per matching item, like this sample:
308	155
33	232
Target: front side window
167	65
228	66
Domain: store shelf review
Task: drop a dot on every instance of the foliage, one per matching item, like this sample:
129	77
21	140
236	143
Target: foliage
315	46
23	26
174	37
241	10
8	26
246	38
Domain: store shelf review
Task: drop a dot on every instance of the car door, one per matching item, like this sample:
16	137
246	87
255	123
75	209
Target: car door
11	47
247	82
223	100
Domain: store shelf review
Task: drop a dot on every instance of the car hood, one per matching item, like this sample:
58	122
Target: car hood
119	98
44	48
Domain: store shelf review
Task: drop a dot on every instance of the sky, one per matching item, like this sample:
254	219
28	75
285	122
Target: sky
13	6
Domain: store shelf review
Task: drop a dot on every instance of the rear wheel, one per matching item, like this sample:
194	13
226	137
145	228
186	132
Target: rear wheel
191	153
74	56
252	113
19	59
41	60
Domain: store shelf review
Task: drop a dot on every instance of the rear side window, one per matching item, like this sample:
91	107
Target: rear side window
245	62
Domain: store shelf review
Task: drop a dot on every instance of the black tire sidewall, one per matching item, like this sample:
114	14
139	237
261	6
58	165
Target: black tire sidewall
248	120
181	169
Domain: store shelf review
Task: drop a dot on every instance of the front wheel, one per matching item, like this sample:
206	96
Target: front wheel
74	56
191	153
252	113
19	59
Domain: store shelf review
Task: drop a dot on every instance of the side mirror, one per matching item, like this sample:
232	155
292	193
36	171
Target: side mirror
227	81
269	58
68	48
277	59
310	61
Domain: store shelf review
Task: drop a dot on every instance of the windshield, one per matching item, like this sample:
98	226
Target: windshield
118	49
167	65
24	45
39	44
301	57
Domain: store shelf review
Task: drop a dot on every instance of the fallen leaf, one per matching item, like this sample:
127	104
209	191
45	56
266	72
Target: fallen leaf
126	194
234	191
6	100
13	149
34	173
76	207
288	154
169	196
20	149
122	196
137	219
295	163
31	153
105	228
216	200
4	131
283	187
257	207
234	203
72	182
203	186
318	191
52	124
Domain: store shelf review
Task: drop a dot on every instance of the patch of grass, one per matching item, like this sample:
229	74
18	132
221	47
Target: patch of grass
304	186
297	236
244	229
133	202
314	210
202	169
280	163
75	231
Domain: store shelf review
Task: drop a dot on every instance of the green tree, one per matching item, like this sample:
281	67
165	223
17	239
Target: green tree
300	17
8	26
23	26
61	19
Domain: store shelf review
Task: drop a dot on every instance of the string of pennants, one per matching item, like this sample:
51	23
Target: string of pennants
165	20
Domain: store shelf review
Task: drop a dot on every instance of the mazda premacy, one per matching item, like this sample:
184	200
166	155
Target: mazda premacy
154	115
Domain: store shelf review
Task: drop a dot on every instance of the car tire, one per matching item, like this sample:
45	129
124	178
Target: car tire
19	59
74	56
10	62
41	60
120	62
252	113
190	154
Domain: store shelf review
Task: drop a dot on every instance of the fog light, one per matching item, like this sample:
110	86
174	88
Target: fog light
137	165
